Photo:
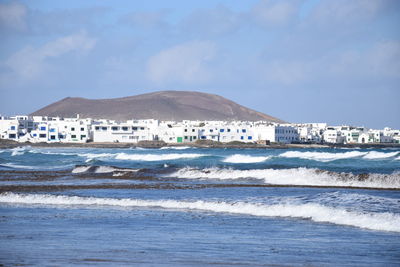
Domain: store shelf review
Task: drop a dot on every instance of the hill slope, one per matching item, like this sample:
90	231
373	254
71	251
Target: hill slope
163	105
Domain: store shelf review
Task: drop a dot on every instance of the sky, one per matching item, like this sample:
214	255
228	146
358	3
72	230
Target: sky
334	61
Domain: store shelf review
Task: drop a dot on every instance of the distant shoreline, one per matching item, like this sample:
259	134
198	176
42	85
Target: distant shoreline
4	144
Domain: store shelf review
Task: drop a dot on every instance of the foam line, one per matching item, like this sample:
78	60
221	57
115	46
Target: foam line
311	211
294	176
238	158
157	157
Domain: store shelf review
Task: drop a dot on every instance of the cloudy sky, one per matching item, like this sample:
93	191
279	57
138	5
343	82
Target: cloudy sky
335	61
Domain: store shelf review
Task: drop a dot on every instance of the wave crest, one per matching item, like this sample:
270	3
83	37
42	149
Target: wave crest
239	158
157	157
314	212
326	156
295	176
100	169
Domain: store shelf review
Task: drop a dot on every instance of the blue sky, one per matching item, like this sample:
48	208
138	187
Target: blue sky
334	61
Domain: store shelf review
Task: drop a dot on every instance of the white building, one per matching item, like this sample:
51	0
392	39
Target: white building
332	135
276	133
131	131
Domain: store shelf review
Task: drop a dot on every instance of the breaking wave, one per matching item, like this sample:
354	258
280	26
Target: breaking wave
380	155
100	169
295	176
326	156
157	157
238	158
27	167
312	211
175	147
19	151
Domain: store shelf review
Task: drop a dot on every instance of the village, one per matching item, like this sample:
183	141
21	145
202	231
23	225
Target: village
40	129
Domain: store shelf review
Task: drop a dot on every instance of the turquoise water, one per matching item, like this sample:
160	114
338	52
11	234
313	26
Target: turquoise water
197	207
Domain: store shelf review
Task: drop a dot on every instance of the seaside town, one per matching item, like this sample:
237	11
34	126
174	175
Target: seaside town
39	129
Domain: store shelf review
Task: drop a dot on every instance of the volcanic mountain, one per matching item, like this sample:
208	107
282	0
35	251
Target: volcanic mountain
163	105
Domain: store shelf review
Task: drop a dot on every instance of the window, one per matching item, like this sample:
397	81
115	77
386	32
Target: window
194	137
34	135
185	130
228	130
83	136
43	128
141	128
82	129
52	130
250	137
211	130
104	128
186	137
97	128
73	136
12	127
203	137
12	136
114	128
134	128
42	135
52	137
243	130
221	130
124	128
242	137
193	130
72	129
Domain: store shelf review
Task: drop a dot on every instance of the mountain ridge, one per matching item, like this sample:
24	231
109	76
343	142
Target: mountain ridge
162	105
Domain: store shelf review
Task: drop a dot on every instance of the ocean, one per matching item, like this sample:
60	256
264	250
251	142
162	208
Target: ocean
187	206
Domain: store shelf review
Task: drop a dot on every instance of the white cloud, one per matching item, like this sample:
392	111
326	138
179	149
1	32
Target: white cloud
344	11
31	61
211	22
270	13
147	19
382	60
288	72
13	16
185	63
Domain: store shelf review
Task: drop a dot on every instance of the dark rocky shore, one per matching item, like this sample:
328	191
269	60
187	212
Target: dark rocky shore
4	144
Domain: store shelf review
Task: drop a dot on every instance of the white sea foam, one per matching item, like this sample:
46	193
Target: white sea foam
156	157
322	156
27	167
380	155
239	158
96	155
104	169
81	169
19	151
311	211
101	169
175	147
294	176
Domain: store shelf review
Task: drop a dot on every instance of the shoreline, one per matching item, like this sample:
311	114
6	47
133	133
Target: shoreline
6	144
